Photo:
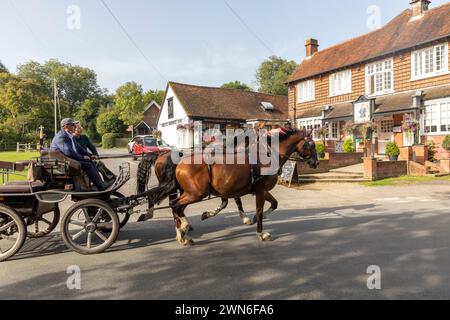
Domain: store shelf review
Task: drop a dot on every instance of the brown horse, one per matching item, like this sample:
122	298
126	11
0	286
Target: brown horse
158	162
199	181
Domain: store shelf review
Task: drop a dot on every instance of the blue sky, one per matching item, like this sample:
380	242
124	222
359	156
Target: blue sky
192	41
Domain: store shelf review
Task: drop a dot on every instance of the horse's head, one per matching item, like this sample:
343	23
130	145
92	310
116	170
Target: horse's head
306	149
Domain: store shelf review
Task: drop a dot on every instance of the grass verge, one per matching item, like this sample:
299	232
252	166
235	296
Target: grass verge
404	180
14	157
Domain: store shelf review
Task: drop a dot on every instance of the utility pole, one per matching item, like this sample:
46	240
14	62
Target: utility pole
55	105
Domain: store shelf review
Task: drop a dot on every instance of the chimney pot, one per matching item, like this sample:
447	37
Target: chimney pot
419	7
312	46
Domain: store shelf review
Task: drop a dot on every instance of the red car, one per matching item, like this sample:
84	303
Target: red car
148	144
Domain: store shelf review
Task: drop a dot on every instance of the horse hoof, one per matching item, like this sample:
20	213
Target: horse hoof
191	228
265	236
205	216
188	242
247	221
142	218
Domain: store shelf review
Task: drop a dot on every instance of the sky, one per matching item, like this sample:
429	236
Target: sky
202	42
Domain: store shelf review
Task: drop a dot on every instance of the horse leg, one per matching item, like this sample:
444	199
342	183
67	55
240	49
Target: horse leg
260	200
210	214
181	222
246	220
273	203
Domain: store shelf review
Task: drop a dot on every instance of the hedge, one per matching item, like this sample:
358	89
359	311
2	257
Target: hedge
108	140
121	142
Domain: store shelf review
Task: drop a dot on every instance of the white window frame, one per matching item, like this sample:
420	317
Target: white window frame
441	120
380	72
423	63
309	88
330	124
311	123
340	83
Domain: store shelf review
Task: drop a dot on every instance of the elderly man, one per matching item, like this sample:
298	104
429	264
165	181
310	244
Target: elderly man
66	144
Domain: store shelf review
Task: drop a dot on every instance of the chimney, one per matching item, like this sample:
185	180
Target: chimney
312	46
419	7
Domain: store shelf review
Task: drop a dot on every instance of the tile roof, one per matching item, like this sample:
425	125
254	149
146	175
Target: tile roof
399	34
229	104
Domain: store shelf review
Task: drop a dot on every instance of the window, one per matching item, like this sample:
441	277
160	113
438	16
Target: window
380	77
170	108
306	91
429	62
341	83
437	117
387	126
332	130
311	124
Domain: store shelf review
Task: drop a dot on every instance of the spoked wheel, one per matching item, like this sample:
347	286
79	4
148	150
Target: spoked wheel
44	224
123	216
84	227
12	232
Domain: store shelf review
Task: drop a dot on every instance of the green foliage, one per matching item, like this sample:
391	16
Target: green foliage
446	143
320	149
348	146
431	150
129	103
109	122
272	75
392	150
154	95
3	68
236	85
108	140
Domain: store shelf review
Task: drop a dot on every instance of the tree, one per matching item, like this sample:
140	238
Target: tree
154	95
3	69
236	85
109	122
129	102
273	74
75	83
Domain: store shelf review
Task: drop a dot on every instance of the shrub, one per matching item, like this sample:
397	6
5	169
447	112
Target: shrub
109	122
431	150
108	140
348	146
320	149
446	143
392	150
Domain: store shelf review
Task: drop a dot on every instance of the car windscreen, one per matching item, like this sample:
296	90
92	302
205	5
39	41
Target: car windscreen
150	142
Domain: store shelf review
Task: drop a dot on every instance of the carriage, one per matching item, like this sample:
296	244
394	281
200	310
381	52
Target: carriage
32	209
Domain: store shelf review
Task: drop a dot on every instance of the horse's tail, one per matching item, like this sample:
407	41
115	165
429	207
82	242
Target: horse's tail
144	172
168	183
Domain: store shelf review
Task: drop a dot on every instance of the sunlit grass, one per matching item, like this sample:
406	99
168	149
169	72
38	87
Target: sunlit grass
14	157
404	180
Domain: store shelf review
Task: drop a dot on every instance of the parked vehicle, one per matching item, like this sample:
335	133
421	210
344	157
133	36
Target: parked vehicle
148	144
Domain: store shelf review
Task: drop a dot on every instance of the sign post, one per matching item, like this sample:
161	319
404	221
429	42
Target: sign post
363	110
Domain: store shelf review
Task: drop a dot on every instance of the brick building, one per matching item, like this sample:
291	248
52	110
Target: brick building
150	119
402	69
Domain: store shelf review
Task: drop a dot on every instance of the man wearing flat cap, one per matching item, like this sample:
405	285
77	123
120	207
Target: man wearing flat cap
66	144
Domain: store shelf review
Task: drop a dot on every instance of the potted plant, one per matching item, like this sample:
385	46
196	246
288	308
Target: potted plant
348	146
392	151
320	148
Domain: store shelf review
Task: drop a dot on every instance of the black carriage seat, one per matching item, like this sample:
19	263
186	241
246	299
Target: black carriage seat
74	167
21	187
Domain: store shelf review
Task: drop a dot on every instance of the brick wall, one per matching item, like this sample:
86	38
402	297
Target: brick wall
335	161
402	82
375	170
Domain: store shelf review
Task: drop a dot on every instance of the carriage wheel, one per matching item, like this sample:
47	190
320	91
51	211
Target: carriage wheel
44	224
84	227
124	217
12	232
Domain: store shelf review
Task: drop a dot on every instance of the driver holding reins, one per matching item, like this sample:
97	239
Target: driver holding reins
65	143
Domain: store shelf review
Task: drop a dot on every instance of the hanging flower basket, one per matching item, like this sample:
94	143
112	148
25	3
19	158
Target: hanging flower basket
410	126
187	126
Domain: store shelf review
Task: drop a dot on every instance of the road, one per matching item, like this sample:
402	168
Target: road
325	238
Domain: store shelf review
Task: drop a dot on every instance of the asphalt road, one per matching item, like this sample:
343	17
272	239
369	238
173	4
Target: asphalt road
324	241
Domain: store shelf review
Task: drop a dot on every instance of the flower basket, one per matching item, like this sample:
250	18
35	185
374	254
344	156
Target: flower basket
410	126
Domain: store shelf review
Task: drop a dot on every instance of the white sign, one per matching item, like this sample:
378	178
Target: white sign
362	112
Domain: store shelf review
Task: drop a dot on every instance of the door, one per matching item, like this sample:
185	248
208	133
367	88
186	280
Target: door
385	134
